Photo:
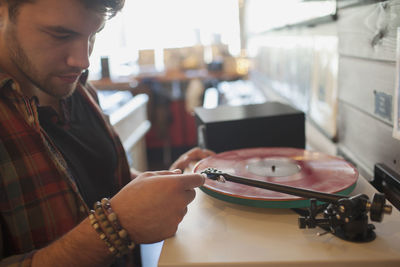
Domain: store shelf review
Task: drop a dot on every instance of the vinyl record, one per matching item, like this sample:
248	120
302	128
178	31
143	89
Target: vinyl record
288	166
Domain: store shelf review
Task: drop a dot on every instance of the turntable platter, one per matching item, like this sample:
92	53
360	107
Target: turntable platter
288	166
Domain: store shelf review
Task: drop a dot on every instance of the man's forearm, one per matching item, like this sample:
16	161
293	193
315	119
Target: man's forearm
80	247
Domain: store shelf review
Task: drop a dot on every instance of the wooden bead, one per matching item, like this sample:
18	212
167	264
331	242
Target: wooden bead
123	233
112	250
96	226
104	201
102	217
106	224
113	237
112	217
103	236
109	230
118	242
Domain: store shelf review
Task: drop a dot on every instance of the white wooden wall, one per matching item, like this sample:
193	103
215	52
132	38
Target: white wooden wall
366	52
367	71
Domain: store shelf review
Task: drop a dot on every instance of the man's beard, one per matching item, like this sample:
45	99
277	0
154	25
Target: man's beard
29	71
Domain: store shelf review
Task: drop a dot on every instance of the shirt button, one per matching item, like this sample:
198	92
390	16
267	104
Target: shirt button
31	119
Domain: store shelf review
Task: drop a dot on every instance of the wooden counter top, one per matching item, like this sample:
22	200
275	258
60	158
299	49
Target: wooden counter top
217	233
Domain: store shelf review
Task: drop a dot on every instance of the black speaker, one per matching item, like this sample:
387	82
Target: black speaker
271	124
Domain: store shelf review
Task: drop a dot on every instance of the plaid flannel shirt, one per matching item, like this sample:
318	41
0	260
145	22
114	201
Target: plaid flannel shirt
39	201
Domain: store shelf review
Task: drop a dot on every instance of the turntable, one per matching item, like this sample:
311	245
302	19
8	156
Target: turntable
291	178
234	223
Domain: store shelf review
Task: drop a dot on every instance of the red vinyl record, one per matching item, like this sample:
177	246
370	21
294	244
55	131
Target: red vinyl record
288	166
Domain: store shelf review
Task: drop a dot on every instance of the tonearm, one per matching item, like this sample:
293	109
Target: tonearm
345	217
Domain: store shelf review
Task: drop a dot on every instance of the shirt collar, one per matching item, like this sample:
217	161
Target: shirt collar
7	81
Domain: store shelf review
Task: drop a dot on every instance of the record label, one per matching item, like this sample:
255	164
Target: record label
288	166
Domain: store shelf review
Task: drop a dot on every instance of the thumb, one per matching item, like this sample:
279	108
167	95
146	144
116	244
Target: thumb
193	180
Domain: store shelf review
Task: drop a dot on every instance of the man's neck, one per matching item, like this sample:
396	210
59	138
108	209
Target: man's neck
47	100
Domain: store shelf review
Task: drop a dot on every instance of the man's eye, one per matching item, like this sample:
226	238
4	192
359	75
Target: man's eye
60	36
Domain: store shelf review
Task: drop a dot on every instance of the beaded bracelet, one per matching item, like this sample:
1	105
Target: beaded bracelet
124	244
106	224
103	236
108	229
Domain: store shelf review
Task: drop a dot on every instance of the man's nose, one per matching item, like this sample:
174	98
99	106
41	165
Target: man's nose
78	56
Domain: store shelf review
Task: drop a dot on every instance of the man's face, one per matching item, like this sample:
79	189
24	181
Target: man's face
47	45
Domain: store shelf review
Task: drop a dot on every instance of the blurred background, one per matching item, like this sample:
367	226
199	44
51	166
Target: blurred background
157	61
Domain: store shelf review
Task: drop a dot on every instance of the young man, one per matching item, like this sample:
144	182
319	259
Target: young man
58	155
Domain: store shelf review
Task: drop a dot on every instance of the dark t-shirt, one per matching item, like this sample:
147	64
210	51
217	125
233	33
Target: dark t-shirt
88	150
85	144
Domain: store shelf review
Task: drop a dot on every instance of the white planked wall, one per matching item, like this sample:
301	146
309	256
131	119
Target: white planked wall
369	31
365	84
367	72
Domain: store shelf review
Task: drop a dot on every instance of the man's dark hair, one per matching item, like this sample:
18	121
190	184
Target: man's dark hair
107	7
13	6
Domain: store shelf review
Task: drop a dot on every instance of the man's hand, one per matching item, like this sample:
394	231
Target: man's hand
193	155
151	206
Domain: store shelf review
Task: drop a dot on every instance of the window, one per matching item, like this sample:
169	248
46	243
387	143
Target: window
159	24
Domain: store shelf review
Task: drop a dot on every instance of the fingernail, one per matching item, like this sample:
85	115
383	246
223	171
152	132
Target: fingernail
177	171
